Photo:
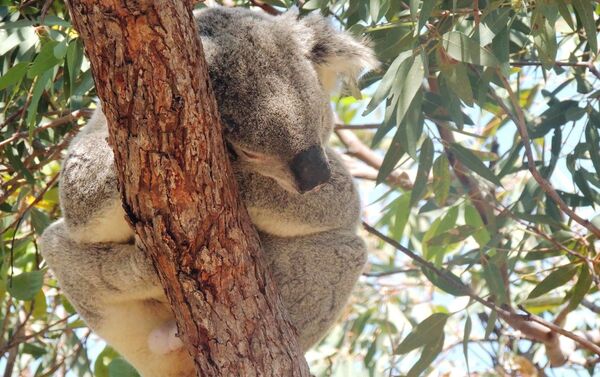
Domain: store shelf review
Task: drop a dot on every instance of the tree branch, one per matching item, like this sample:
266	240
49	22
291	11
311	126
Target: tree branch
356	148
530	325
475	194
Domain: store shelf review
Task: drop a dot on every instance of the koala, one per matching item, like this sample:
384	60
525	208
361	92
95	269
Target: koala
271	77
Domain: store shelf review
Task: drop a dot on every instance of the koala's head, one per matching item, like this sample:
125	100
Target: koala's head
272	77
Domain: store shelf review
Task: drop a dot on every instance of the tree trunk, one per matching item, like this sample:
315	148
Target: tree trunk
178	188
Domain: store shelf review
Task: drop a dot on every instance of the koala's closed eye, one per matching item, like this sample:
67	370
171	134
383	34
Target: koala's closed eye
249	155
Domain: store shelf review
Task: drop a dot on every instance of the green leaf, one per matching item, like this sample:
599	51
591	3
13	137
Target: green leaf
425	161
119	367
565	13
553	117
33	350
314	4
457	80
583	285
39	221
13	76
17	164
501	45
441	179
582	184
462	48
585	11
74	59
44	61
60	50
439	226
471	161
423	333
495	282
414	8
407	84
544	35
429	354
472	218
557	278
451	236
40	85
26	285
466	336
402	211
374	10
392	156
103	360
385	85
593	144
490	324
451	102
426	9
411	126
448	282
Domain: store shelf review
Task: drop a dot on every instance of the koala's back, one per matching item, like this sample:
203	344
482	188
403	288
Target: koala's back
89	196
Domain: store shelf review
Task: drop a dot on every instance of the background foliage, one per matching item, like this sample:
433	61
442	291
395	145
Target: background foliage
481	128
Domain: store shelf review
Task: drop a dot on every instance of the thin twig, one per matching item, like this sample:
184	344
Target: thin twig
390	272
356	148
544	184
265	7
477	197
37	199
72	117
371	126
588	65
528	323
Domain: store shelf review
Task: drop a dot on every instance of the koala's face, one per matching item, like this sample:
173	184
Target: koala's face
268	75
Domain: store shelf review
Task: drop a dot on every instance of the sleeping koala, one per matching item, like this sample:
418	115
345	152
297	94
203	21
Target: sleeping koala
271	77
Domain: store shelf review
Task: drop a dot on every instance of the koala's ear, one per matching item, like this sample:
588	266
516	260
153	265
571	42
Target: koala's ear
335	54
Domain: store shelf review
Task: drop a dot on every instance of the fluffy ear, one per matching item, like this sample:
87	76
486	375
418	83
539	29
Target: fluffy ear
335	54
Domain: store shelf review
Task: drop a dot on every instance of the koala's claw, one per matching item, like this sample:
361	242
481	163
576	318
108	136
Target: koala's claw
164	339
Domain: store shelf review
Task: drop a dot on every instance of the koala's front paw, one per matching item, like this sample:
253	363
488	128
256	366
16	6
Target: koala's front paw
164	339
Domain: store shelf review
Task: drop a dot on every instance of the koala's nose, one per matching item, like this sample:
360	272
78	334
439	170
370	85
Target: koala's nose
310	168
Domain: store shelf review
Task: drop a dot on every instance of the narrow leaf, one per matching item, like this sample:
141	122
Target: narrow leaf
466	336
426	9
425	161
583	285
423	333
385	85
441	179
429	354
471	161
13	75
585	11
557	278
462	48
26	285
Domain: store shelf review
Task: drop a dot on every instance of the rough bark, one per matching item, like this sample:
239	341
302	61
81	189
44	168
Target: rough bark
178	188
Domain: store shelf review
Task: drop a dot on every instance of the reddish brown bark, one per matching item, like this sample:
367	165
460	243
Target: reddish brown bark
178	188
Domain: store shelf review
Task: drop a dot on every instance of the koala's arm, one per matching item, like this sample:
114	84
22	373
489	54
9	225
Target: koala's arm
315	275
335	205
116	290
90	200
91	274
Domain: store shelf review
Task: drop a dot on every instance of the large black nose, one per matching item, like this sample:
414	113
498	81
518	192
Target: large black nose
310	168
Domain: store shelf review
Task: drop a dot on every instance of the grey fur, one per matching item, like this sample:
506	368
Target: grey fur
271	87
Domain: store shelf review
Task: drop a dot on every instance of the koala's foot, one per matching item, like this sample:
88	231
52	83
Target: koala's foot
164	339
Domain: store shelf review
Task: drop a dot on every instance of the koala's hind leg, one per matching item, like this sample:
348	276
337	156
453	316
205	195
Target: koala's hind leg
315	275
